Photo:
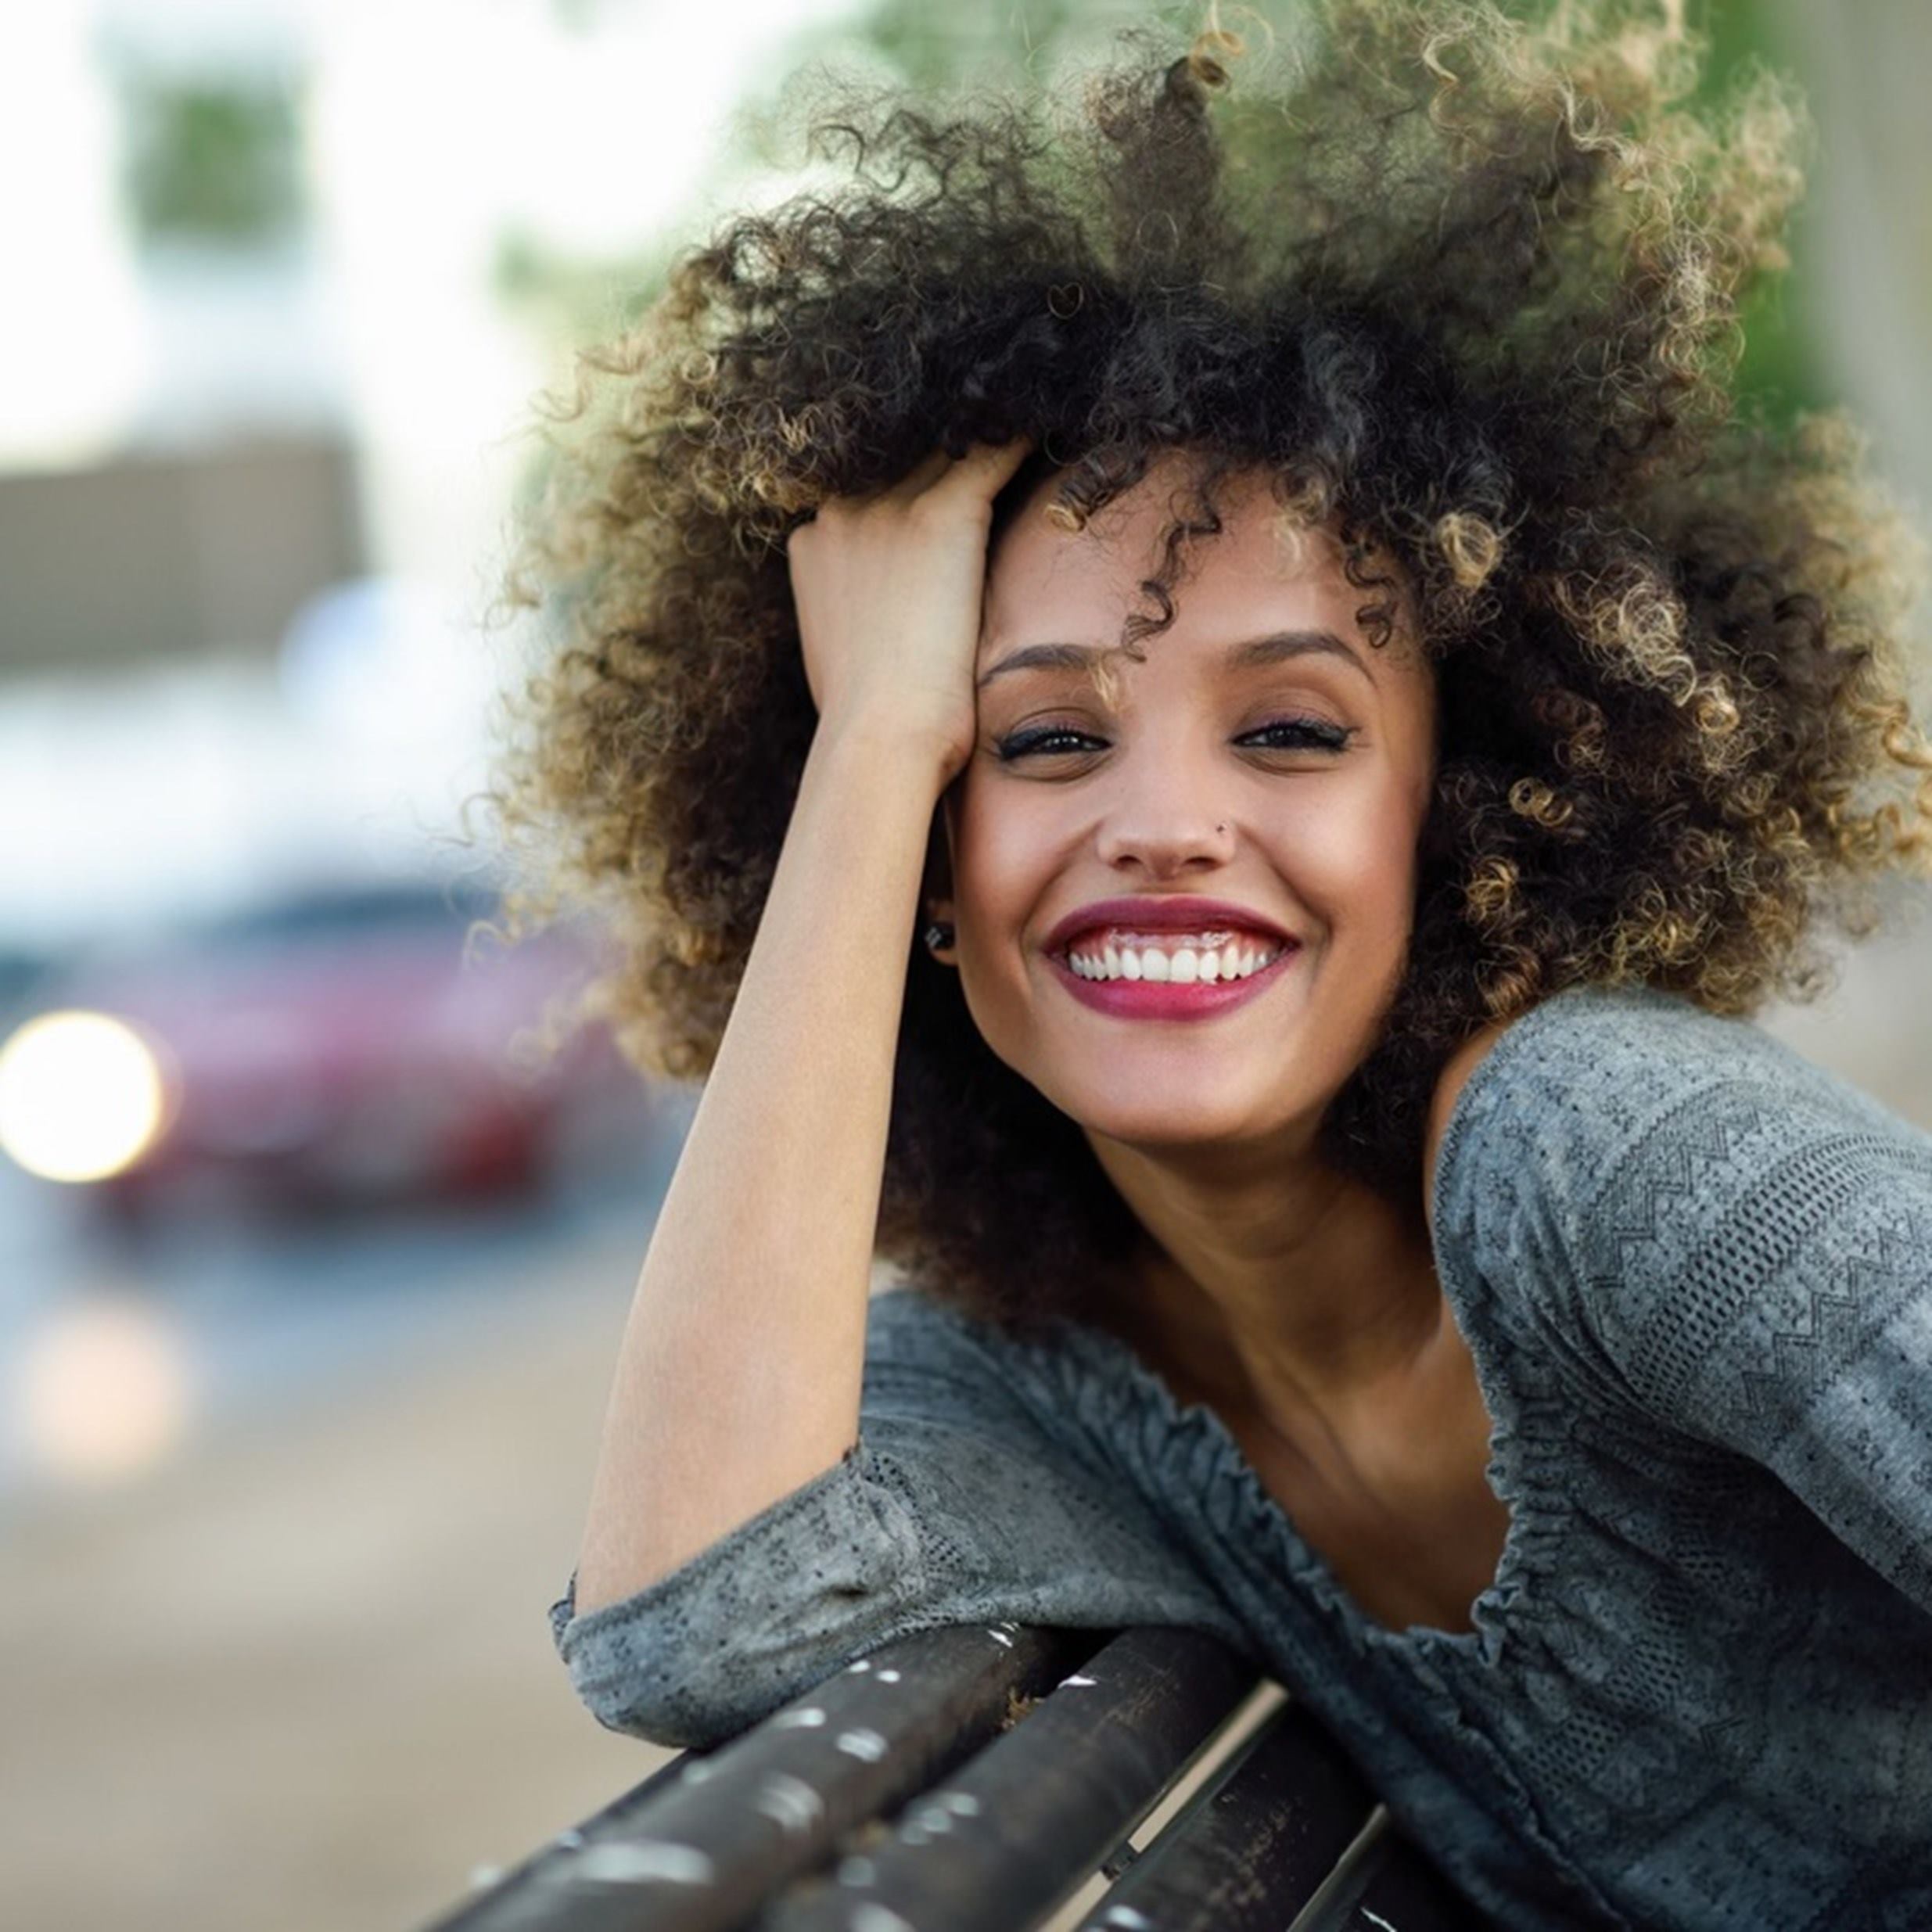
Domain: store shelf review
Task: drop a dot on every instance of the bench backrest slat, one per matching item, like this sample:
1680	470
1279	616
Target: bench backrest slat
1020	1828
722	1832
1255	1843
973	1780
1399	1888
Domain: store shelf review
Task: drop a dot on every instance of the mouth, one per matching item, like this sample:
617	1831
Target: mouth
1110	954
1171	975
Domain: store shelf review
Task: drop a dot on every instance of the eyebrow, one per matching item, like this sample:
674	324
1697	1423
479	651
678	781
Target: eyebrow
1277	647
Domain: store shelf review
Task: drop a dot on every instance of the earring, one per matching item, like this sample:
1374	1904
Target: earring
937	935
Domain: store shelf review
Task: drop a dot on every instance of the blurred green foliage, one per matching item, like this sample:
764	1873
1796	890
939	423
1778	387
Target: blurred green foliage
571	299
213	162
999	42
1782	373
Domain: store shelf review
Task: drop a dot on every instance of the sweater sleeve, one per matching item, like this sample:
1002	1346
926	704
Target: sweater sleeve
955	1506
1727	1239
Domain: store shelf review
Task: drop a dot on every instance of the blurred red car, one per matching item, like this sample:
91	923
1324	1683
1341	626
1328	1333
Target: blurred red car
333	1046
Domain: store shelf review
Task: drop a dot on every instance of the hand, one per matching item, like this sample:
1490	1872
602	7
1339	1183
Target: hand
888	591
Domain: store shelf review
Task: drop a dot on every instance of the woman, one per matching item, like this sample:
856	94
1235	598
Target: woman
1208	726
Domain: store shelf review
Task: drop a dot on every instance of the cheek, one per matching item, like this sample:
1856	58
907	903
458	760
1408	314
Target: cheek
1002	858
1355	859
1004	864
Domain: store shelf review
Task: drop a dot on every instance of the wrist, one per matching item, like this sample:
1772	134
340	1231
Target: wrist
888	743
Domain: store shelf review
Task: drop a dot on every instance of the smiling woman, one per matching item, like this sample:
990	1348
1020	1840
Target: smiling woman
1257	748
1200	712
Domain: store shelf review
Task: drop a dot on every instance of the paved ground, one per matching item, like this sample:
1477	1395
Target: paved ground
302	1678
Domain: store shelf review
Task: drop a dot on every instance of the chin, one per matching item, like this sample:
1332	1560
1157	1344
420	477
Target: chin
1147	1119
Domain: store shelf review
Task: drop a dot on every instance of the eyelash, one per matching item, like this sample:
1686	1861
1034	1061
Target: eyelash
1312	733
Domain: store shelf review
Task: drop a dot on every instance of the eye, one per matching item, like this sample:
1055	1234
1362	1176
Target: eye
1051	739
1281	735
1296	734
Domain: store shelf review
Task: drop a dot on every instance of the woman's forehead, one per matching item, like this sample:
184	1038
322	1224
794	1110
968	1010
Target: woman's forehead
1261	572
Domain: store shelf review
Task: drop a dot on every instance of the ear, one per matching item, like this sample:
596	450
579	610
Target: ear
935	890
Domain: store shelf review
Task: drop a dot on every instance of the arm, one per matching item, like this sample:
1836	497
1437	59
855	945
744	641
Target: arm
1737	1240
954	1506
737	1378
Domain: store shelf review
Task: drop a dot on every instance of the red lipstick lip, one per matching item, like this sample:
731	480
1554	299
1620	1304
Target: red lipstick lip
1174	913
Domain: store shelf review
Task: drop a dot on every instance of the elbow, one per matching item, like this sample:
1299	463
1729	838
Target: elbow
684	1712
762	1616
703	1688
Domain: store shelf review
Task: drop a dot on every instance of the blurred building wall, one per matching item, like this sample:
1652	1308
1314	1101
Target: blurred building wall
156	555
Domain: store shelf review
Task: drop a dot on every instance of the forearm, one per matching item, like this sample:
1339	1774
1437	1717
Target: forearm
739	1375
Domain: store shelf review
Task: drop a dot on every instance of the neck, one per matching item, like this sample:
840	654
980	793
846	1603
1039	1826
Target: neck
1269	1285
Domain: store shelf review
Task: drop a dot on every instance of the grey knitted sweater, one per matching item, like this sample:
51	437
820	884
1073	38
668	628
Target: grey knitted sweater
1695	1275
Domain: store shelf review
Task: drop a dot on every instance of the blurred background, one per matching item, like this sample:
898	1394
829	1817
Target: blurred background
312	1272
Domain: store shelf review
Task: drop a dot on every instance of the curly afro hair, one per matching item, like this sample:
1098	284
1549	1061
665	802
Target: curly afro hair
1467	290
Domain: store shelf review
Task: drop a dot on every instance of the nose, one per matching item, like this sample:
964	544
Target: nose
1165	825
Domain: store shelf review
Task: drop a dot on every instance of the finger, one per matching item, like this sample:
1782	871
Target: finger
987	468
927	471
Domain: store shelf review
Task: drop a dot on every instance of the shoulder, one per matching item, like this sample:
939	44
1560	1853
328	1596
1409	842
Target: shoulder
913	1321
926	1355
1450	1083
1622	1147
1594	1071
910	1330
1565	1056
1692	1222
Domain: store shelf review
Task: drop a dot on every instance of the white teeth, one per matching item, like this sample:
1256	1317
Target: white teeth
1185	965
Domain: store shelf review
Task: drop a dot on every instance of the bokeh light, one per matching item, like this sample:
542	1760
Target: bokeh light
82	1096
103	1391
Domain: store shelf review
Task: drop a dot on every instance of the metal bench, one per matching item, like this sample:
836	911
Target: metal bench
998	1779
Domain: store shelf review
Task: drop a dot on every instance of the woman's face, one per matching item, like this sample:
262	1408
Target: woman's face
1265	756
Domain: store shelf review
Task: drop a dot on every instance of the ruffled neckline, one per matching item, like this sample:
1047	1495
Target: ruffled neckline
1189	1450
1188	1454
